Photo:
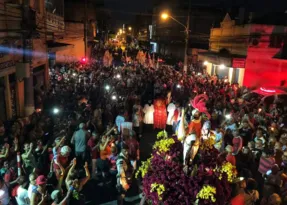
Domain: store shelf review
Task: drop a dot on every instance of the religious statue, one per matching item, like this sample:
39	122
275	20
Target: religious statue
194	131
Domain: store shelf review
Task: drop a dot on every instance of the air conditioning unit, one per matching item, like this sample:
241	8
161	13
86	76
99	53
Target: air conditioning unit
22	70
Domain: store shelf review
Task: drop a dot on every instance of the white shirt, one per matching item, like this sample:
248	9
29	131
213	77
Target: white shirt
119	120
148	111
170	108
30	190
22	196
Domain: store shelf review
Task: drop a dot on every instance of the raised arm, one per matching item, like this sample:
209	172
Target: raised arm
5	155
87	178
68	178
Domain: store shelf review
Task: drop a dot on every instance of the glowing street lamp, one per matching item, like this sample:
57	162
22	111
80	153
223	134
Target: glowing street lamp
222	66
56	111
130	28
164	16
107	87
121	31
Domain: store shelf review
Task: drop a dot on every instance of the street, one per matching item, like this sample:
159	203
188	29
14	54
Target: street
105	194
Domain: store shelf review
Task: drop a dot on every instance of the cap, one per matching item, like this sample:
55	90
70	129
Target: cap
55	194
41	180
65	150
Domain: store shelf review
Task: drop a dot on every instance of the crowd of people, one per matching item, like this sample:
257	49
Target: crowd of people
90	121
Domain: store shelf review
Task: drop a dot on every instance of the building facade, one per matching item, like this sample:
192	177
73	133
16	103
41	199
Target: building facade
33	38
240	52
23	61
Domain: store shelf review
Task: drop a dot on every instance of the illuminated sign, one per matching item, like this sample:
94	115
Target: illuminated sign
267	90
238	63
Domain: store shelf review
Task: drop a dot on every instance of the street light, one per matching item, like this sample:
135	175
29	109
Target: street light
165	16
130	28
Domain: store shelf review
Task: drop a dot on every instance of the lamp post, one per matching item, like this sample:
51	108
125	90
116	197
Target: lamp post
165	16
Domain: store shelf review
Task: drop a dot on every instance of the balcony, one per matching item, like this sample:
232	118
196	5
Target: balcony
10	19
55	24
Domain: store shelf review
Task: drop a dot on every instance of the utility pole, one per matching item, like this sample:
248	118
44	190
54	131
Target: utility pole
86	28
185	64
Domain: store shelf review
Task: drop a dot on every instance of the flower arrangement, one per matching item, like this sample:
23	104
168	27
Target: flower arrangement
207	144
207	192
163	145
159	188
229	170
143	169
165	181
162	134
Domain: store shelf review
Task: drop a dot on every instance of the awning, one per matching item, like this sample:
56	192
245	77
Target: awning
219	58
57	46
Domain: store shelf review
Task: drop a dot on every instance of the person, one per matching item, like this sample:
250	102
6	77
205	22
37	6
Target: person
259	136
119	120
22	193
137	120
28	158
274	199
57	196
170	109
103	162
134	151
39	193
94	150
79	139
230	157
32	178
266	161
148	113
237	142
251	195
125	172
78	184
245	131
98	115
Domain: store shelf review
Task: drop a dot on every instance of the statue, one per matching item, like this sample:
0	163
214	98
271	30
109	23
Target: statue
194	131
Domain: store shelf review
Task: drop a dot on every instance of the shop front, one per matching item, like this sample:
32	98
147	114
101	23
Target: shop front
231	67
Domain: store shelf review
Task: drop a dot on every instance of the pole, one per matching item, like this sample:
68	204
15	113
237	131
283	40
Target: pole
85	28
186	39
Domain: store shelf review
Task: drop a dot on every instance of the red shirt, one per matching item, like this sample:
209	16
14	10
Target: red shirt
230	158
133	148
91	145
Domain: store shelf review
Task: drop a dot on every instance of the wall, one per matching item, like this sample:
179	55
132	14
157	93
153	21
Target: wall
74	34
232	37
262	66
264	70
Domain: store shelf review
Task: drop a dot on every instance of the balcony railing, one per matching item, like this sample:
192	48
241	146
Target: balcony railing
55	24
10	17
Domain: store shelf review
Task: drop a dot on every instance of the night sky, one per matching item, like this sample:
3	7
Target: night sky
124	11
